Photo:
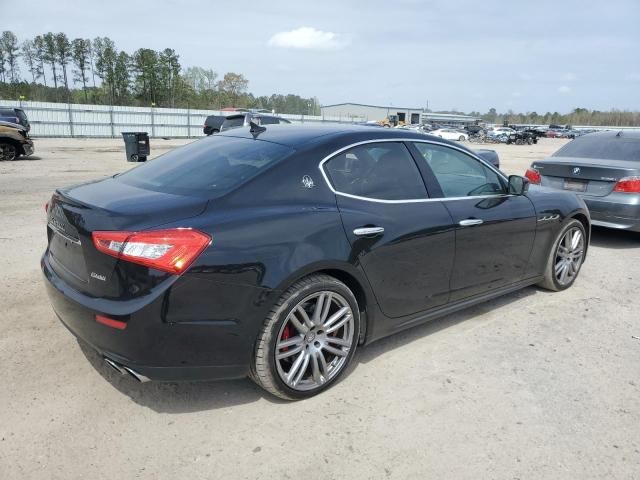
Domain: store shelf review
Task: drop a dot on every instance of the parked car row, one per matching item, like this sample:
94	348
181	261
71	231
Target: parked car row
238	118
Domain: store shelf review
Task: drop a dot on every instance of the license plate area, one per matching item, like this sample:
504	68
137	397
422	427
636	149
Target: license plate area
575	185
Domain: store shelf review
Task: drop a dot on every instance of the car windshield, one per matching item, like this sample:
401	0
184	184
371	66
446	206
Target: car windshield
210	167
595	146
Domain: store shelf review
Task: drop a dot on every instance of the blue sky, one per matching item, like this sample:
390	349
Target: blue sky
527	56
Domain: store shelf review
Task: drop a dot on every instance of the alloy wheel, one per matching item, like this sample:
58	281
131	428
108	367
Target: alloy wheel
314	341
569	255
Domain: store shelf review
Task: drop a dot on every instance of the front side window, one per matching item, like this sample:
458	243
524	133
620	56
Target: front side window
382	171
459	174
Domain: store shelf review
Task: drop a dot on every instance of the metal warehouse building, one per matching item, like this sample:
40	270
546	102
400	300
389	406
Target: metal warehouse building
413	115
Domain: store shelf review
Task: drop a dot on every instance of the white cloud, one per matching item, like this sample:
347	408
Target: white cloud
564	89
307	38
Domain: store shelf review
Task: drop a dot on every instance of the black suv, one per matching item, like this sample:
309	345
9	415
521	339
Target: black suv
212	124
14	115
243	119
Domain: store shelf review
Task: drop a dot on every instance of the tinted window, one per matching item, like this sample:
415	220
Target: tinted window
21	115
268	120
459	174
598	146
6	112
384	171
233	122
211	167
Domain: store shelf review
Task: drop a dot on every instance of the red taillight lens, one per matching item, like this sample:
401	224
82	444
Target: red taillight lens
110	322
533	175
171	251
46	207
628	185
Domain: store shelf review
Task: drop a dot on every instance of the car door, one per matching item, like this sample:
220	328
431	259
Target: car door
494	230
403	241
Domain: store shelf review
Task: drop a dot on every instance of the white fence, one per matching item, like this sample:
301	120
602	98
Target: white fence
78	120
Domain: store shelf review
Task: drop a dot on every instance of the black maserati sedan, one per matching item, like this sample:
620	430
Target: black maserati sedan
274	252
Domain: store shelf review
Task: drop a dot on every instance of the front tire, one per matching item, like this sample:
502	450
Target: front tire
566	257
308	338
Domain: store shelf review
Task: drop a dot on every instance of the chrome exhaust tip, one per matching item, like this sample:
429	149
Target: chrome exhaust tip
138	376
122	370
115	366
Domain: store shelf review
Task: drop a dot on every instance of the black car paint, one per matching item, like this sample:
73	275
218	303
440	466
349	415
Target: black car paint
276	229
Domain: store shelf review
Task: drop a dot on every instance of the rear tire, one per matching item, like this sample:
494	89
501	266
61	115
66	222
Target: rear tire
566	257
308	339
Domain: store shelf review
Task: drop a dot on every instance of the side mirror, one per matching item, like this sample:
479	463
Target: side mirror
518	185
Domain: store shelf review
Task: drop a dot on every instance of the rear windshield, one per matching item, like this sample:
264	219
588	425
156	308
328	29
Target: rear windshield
210	167
597	146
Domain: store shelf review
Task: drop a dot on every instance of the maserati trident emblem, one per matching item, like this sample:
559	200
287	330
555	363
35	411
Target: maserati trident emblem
576	170
307	181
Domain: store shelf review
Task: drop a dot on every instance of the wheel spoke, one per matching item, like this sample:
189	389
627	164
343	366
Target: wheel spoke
575	239
326	309
307	321
335	351
296	366
559	267
339	341
318	375
290	342
303	368
335	317
339	324
317	312
564	274
289	352
293	319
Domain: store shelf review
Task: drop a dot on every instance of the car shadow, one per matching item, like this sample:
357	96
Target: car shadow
612	238
22	158
179	397
186	397
380	347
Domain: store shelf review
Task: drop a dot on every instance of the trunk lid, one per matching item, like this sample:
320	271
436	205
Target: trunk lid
589	176
75	212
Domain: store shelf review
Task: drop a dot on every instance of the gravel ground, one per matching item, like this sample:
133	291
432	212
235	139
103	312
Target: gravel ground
532	385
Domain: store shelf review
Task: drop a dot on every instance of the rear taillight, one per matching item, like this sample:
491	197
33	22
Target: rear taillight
628	185
533	175
171	251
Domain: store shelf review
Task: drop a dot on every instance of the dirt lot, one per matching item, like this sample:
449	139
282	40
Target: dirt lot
533	385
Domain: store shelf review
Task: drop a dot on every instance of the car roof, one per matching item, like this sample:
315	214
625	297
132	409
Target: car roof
296	135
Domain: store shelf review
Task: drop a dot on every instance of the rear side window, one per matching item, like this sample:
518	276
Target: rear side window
210	167
6	112
382	171
605	147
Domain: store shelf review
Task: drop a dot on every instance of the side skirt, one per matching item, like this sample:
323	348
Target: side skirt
455	307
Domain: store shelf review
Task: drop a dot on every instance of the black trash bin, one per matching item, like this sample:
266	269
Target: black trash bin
136	145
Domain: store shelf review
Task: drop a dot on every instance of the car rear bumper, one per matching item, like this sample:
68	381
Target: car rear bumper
621	213
190	349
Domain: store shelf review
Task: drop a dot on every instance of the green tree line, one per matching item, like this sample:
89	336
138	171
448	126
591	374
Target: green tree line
95	71
578	116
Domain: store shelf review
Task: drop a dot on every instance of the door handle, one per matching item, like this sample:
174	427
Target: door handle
470	222
368	231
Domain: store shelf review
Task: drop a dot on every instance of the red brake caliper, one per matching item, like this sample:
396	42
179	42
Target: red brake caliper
286	333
